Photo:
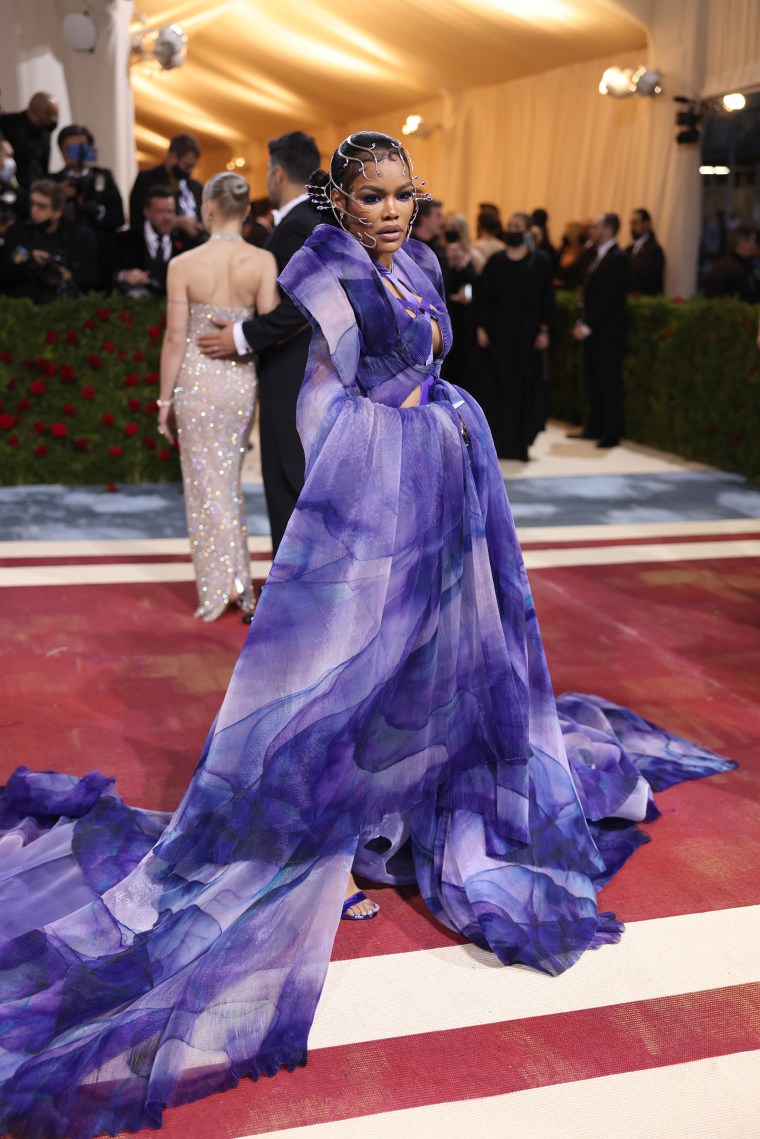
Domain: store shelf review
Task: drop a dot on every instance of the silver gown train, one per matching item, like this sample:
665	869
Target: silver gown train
214	402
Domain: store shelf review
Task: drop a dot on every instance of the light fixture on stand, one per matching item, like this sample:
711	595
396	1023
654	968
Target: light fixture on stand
622	82
167	46
415	124
733	102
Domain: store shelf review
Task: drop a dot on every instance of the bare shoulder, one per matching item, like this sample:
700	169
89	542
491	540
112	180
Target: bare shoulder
259	260
180	264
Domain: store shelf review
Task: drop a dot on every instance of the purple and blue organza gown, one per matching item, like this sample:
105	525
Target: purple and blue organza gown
391	710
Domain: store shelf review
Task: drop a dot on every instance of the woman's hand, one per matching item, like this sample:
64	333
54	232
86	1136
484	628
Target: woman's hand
482	338
542	342
166	421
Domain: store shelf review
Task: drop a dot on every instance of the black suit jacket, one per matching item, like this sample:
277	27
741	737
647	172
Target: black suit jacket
156	176
604	297
72	243
31	147
98	201
264	333
647	268
132	253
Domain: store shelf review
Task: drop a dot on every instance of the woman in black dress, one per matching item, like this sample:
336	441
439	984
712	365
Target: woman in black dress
514	311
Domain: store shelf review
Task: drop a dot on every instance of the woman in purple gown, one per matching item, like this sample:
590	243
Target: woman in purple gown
391	711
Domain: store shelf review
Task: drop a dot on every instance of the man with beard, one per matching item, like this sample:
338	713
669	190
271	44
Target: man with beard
281	337
175	171
646	258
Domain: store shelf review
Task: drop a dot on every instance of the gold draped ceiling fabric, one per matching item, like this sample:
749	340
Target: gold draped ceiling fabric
507	90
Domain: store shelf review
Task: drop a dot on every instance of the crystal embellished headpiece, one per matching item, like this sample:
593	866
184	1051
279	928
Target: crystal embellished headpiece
353	152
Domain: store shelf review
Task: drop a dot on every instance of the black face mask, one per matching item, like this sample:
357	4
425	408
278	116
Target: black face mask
451	235
514	239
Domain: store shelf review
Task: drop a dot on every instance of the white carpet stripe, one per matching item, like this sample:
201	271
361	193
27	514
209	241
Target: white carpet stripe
432	990
620	531
702	1099
628	555
140	573
108	547
105	547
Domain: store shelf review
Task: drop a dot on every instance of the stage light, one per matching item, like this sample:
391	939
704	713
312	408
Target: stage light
167	47
412	124
720	170
734	102
621	82
170	47
617	82
647	82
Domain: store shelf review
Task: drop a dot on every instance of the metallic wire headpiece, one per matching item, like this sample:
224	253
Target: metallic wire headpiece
321	193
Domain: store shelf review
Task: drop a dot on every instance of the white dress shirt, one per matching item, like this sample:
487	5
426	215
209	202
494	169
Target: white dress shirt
152	239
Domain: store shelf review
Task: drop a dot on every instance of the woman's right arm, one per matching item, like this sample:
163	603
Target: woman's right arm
173	348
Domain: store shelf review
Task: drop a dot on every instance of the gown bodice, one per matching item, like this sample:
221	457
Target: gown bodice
202	316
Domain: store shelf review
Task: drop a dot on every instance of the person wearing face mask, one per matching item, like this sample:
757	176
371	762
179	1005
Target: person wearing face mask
176	171
9	190
8	179
46	256
29	133
92	196
514	313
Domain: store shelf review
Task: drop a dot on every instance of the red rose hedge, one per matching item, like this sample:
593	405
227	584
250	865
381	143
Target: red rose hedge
691	378
72	410
691	374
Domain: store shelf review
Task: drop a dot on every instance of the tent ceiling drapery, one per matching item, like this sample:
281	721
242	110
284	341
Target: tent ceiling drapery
256	68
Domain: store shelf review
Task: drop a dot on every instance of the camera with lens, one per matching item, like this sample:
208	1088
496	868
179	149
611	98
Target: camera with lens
49	272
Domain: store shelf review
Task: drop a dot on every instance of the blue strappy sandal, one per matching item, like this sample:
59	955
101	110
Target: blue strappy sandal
354	899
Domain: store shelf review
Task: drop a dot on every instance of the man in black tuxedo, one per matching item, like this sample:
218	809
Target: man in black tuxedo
281	337
645	256
176	171
143	255
601	326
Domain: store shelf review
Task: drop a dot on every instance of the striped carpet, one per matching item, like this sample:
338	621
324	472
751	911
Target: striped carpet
417	1033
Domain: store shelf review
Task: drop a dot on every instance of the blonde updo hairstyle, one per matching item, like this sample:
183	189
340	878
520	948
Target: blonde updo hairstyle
230	194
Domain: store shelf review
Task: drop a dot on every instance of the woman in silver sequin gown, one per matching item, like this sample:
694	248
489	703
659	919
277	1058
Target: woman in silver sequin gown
210	402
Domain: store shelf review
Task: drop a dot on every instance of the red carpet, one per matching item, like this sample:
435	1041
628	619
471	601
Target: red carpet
119	678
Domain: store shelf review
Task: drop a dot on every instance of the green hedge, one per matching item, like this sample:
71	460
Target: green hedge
79	380
691	374
78	388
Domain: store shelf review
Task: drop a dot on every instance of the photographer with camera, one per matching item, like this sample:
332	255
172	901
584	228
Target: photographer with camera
47	256
92	195
143	255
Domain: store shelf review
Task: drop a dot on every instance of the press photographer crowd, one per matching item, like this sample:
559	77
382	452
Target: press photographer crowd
66	233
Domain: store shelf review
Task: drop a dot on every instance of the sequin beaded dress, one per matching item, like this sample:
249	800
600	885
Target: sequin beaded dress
391	710
214	402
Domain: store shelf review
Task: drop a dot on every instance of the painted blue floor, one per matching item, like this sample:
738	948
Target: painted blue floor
49	513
